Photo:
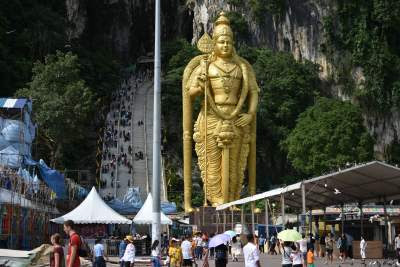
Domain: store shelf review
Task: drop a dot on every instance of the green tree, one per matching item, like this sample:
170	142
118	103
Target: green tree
327	136
63	104
288	87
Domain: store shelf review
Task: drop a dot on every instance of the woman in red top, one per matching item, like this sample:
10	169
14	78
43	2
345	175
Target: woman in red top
57	255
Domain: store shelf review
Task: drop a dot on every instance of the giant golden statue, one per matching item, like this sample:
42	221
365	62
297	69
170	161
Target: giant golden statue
225	129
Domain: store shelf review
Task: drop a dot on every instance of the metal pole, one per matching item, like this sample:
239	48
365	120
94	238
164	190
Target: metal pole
266	219
155	231
232	218
386	222
342	219
361	219
303	205
283	211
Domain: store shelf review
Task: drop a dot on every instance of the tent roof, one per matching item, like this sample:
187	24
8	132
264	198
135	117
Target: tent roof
145	214
18	103
93	210
362	183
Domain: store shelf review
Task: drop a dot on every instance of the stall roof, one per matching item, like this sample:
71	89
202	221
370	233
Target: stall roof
93	210
18	103
373	181
145	214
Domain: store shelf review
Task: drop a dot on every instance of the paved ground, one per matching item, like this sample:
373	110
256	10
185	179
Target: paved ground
275	261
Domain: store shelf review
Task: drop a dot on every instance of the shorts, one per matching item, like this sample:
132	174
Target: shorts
286	265
310	265
297	265
329	251
304	256
187	262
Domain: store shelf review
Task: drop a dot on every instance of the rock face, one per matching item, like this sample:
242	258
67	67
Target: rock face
126	26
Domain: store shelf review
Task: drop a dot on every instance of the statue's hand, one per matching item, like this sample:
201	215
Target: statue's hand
244	119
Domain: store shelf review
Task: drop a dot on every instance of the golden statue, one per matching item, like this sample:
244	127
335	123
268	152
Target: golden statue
225	130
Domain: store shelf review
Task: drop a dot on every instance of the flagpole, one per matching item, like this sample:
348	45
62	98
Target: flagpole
155	189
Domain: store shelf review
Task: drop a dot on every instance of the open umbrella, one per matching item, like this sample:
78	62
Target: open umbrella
289	235
219	240
231	233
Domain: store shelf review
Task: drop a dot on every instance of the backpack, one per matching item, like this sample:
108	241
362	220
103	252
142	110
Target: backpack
83	248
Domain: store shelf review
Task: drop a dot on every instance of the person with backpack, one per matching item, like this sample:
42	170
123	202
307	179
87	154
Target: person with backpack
73	245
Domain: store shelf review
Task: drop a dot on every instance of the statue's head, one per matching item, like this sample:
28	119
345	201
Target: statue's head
223	37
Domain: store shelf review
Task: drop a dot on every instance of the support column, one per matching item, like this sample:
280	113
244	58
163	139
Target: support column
283	211
232	225
342	219
224	221
266	219
361	219
386	222
252	217
242	216
311	219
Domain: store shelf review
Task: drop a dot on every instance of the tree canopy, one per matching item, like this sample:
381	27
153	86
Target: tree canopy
63	102
327	136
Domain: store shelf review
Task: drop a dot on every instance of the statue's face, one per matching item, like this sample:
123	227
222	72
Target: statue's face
224	46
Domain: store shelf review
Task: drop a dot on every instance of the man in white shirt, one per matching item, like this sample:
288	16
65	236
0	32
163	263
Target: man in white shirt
363	248
187	252
98	250
397	245
251	254
303	247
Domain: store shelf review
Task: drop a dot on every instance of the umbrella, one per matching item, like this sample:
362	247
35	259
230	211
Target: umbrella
231	233
289	235
219	240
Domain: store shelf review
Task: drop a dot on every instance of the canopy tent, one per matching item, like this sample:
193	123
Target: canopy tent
93	210
145	214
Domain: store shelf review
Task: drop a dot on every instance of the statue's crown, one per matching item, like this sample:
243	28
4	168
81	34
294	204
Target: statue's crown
222	26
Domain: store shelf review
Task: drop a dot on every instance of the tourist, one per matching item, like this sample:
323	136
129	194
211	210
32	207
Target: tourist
311	242
187	252
57	253
122	248
74	244
397	246
363	248
342	248
286	252
236	249
297	256
303	248
251	253
261	244
221	255
198	246
155	254
310	257
130	252
98	250
205	249
349	247
175	254
329	242
272	249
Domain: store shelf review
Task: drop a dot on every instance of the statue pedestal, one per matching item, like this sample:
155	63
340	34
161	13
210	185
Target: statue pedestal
209	220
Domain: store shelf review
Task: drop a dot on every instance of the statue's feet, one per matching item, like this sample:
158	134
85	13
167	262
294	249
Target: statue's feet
189	209
217	201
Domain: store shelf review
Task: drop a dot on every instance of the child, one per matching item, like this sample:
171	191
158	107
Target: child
310	257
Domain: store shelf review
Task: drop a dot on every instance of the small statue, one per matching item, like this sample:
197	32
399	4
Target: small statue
225	130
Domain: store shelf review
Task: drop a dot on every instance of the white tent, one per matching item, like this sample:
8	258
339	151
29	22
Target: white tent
145	214
93	210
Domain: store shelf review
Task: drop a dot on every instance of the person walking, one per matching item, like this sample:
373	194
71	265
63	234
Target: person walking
57	253
363	248
297	256
272	249
342	248
98	250
73	245
329	243
310	257
236	249
286	252
221	255
155	254
251	253
322	245
122	248
397	246
303	248
130	253
187	252
175	254
261	244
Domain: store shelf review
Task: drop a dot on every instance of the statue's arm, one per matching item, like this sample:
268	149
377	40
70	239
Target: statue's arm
196	83
253	102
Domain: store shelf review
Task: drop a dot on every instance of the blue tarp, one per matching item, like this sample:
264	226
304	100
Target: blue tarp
53	179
